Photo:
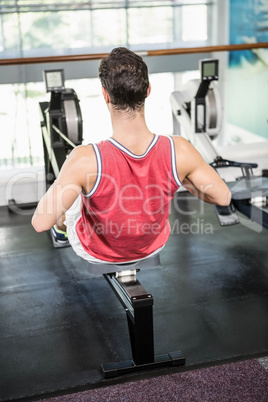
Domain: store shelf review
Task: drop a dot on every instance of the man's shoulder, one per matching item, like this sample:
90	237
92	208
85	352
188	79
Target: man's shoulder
83	156
181	144
187	156
179	140
82	151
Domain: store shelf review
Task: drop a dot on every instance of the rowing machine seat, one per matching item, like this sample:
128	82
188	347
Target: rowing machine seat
103	268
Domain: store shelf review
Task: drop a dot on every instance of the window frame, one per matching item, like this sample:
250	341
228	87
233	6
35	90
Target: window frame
18	8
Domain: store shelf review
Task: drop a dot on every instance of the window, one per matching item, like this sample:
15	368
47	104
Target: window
194	23
19	116
30	28
19	121
150	25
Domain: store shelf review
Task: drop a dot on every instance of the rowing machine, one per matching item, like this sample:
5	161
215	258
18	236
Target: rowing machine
197	116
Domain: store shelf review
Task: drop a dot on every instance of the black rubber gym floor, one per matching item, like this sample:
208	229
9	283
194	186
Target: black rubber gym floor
59	322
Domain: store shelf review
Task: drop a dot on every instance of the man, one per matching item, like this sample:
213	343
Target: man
123	186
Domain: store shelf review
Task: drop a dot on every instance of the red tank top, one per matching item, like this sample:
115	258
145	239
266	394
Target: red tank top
125	215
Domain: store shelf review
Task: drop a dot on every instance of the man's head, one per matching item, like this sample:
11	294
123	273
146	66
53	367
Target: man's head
124	75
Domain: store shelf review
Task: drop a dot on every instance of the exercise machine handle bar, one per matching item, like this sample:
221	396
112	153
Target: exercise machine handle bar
219	162
63	136
246	168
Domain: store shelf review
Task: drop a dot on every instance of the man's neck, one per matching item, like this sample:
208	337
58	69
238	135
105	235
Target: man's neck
131	130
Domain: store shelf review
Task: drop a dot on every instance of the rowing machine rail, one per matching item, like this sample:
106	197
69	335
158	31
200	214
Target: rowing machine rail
138	304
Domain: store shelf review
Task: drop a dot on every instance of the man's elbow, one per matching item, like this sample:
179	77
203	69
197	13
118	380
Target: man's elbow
225	199
38	225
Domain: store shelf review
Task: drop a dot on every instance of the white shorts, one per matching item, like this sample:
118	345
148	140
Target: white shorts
71	218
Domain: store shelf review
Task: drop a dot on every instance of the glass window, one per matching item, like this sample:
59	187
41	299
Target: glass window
194	23
150	25
108	4
109	27
48	30
10	37
32	28
19	120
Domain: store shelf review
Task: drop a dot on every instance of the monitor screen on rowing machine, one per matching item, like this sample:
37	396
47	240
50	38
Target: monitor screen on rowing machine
209	70
54	80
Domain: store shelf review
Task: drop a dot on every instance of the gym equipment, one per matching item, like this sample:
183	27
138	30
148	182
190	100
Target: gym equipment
61	124
27	207
198	109
197	114
138	304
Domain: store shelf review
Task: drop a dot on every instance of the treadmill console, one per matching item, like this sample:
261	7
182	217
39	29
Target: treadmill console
54	80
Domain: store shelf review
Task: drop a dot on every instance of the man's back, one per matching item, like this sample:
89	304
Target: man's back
125	217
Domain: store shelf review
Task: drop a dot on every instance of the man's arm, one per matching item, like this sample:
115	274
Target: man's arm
78	172
199	177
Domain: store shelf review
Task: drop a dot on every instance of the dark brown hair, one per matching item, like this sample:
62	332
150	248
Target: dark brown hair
124	75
